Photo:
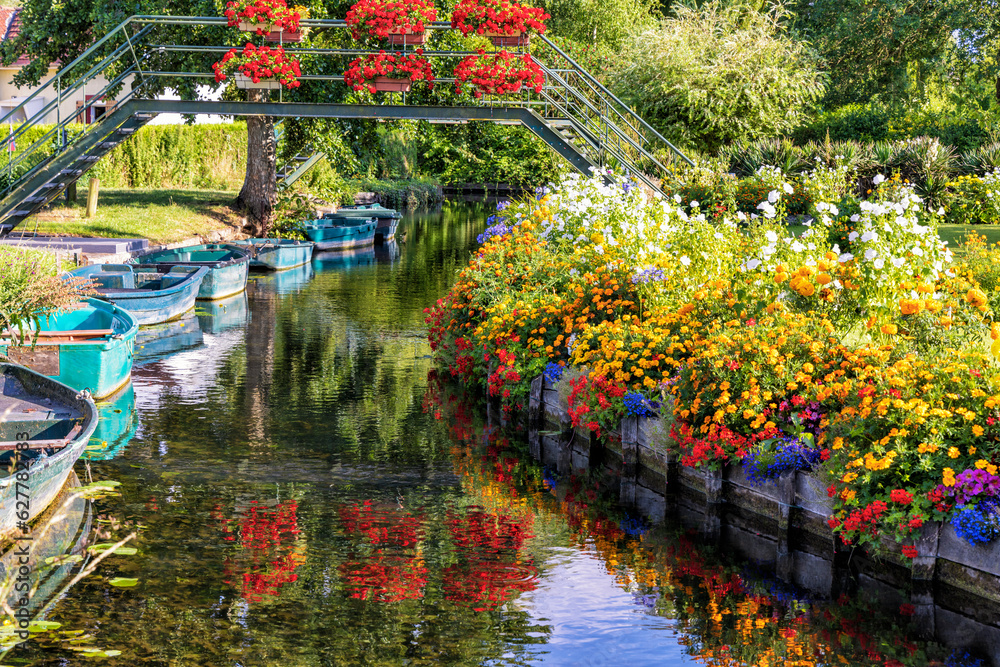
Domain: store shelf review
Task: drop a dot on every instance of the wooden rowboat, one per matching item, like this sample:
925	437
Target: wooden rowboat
152	295
90	347
44	427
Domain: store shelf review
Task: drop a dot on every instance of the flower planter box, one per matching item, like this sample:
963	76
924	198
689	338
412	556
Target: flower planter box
518	39
253	26
407	37
389	85
245	82
284	36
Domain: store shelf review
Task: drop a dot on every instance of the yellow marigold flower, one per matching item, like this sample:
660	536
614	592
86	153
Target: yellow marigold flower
976	297
889	329
824	279
982	463
780	277
954	452
948	477
977	430
806	288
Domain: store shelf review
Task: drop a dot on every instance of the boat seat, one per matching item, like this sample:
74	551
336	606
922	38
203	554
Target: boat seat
115	279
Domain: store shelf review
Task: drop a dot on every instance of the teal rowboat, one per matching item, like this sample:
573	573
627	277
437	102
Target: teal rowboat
52	424
227	266
277	254
152	295
333	233
87	347
387	218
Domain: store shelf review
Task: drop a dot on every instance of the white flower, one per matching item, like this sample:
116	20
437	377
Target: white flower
852	237
855	217
879	263
772	196
788	189
869	236
740	215
753	264
685	260
771	236
834	210
898	261
677	198
845	258
871	254
878	179
797	247
918	251
769	211
694	204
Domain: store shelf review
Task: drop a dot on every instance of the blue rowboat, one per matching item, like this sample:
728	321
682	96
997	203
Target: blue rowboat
388	218
117	423
150	293
51	423
89	346
227	265
277	254
343	260
337	233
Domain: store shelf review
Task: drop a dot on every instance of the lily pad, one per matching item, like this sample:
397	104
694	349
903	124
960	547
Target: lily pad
123	582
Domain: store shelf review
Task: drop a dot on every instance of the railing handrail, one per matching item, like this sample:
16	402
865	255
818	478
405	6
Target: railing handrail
607	92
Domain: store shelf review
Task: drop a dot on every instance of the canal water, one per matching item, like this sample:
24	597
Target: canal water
306	492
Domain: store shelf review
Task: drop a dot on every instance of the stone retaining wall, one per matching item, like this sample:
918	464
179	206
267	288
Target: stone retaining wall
783	522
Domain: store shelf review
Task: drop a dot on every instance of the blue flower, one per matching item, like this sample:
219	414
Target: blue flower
553	372
963	659
647	276
637	405
976	524
790	453
500	228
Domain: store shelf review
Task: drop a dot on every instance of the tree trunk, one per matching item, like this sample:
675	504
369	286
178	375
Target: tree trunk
259	191
998	89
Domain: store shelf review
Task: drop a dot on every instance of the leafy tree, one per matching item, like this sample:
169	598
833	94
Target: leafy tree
878	47
720	73
599	22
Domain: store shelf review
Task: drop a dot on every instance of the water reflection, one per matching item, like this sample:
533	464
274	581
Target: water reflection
223	314
117	424
161	340
343	260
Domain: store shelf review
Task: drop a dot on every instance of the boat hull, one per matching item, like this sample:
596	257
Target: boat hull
227	264
332	236
386	230
147	306
277	254
100	365
46	474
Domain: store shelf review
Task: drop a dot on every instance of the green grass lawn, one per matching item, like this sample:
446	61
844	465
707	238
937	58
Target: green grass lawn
162	216
953	234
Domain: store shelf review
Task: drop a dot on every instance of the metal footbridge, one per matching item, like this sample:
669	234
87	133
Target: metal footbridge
574	114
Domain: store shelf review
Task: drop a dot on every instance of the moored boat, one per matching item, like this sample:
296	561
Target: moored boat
340	233
44	427
277	254
150	293
387	218
117	424
227	265
89	346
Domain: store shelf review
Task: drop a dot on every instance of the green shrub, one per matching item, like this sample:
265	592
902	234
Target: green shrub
720	73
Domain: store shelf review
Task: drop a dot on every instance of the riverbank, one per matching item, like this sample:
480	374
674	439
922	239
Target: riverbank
862	351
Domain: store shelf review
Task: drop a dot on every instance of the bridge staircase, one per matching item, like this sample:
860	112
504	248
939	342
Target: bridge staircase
574	114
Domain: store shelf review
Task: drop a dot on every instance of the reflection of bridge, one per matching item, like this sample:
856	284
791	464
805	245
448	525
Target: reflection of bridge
574	114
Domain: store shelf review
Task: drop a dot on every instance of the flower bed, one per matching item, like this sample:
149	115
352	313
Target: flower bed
870	360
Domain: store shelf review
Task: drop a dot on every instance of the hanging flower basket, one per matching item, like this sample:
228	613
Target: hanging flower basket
262	16
517	39
247	83
389	72
389	85
498	74
394	20
259	67
401	37
504	22
290	33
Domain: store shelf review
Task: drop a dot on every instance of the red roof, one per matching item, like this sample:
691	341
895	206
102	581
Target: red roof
10	25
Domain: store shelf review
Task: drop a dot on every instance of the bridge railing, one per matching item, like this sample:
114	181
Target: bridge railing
600	125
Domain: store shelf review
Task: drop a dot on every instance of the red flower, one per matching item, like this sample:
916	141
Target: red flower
503	17
379	18
498	74
910	551
901	496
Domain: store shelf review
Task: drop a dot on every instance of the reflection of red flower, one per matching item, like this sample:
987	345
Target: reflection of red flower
391	568
267	557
